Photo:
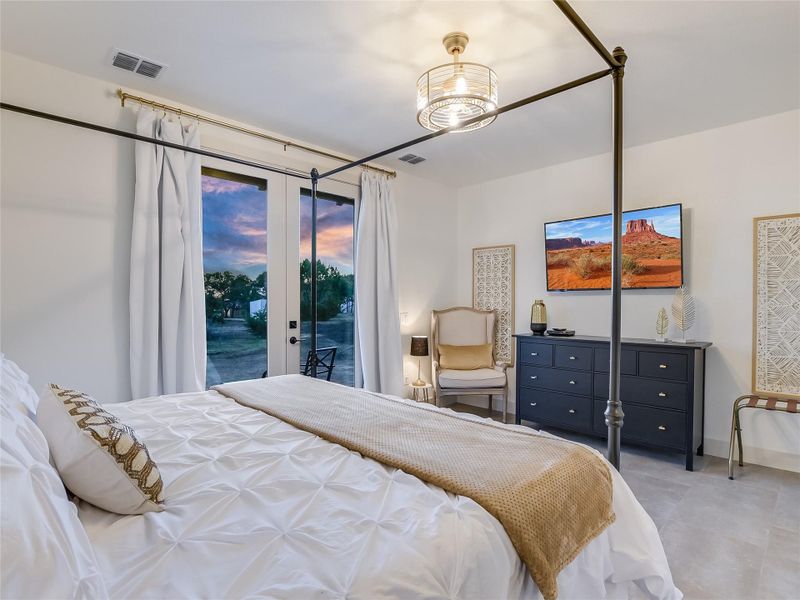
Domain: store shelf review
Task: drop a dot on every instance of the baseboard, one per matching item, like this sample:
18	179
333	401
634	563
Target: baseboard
754	455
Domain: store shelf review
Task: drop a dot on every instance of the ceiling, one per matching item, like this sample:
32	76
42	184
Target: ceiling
342	74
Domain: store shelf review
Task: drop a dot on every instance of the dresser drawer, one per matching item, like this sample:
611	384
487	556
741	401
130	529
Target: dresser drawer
531	353
559	380
602	358
564	410
574	357
652	426
663	394
663	365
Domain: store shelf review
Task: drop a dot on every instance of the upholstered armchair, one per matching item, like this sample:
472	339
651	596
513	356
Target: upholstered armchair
463	326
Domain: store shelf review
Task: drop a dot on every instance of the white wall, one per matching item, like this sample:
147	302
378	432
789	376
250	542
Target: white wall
724	177
66	196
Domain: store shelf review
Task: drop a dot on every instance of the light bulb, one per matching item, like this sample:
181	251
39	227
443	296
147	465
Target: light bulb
461	85
453	120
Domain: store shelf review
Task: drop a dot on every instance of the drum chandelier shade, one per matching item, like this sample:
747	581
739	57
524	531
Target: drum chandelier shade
452	93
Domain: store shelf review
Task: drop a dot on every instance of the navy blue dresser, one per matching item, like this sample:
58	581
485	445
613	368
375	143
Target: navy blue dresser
562	382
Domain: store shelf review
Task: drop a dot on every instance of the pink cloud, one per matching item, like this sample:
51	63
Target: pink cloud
214	185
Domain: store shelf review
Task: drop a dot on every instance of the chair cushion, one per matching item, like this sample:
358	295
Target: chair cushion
476	378
466	357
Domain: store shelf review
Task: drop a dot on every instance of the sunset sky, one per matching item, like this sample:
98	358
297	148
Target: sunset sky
666	220
235	236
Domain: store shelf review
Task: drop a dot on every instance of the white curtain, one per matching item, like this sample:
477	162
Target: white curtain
167	306
379	353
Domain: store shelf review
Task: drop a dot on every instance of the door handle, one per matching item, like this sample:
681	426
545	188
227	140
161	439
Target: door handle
292	340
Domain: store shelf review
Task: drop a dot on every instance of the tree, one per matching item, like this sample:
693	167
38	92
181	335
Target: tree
227	292
333	289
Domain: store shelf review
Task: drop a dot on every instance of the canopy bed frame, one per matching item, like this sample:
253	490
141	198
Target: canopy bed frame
615	61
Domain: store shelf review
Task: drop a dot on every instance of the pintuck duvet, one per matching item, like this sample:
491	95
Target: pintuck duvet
258	508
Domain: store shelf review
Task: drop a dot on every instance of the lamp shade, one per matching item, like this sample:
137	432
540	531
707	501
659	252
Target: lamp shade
419	345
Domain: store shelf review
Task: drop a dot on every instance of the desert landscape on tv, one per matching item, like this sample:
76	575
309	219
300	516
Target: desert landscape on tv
579	251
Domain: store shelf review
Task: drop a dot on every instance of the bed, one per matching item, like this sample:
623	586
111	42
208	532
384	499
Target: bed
258	508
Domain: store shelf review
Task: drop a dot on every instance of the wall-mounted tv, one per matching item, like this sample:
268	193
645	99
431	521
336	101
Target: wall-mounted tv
578	251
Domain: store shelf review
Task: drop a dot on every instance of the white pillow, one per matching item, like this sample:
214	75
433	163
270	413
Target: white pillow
100	459
45	552
15	390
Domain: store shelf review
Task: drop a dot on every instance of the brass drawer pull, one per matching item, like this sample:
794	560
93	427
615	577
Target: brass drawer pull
662	395
572	358
662	428
662	366
572	382
533	403
572	411
534	354
534	377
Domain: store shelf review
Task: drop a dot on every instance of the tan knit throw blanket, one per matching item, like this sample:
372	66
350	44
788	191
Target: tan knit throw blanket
552	496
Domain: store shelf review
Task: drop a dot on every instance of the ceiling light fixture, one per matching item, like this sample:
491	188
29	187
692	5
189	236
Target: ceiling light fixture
450	94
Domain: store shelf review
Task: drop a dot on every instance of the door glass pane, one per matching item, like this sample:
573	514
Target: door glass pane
235	265
334	285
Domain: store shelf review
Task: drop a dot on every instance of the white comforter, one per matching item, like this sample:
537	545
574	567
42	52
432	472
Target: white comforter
258	508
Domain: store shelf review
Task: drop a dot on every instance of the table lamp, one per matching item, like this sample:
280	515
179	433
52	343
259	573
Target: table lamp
419	347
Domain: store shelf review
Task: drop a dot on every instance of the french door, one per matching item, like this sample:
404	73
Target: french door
256	258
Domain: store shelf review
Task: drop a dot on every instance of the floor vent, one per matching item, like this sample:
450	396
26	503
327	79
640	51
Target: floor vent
136	64
411	159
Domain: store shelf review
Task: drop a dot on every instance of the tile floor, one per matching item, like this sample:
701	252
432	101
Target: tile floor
731	540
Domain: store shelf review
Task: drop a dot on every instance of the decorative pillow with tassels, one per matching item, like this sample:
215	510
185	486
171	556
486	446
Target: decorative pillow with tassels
100	460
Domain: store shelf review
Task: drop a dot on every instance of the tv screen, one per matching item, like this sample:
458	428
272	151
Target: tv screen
578	251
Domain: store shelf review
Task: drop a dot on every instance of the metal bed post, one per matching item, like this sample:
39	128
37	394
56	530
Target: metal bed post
616	61
313	359
614	414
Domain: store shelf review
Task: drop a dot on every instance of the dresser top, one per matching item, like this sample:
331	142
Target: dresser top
598	338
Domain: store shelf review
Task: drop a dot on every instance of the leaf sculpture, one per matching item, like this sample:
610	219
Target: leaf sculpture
683	309
662	322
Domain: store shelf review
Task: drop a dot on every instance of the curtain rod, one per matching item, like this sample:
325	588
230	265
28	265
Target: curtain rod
141	138
123	96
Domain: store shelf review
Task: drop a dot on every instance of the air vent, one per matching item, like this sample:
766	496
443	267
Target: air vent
125	61
131	62
149	69
411	159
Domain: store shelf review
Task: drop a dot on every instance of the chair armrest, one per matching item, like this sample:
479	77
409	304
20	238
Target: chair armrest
501	366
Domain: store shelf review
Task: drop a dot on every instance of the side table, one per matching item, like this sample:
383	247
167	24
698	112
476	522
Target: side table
423	393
